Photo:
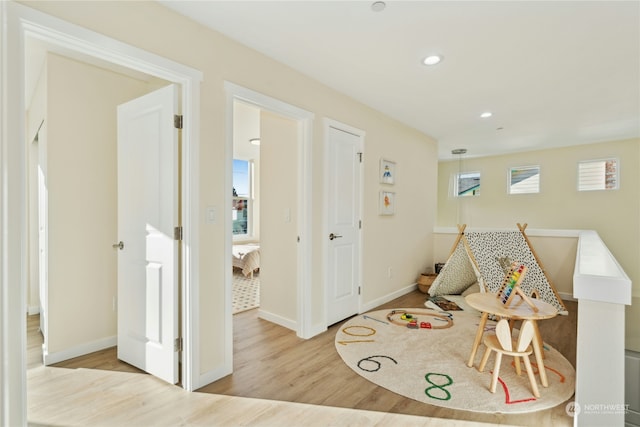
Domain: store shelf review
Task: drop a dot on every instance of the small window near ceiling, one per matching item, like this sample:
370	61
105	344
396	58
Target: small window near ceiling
524	180
598	175
467	184
241	207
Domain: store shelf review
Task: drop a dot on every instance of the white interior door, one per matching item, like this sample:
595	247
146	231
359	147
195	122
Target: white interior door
343	183
147	214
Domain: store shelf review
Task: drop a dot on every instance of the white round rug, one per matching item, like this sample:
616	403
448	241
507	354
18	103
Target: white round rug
430	365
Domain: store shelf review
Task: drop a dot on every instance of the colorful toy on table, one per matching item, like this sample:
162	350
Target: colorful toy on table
511	286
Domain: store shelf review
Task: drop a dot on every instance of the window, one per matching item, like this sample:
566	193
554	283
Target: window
598	175
524	180
242	200
467	184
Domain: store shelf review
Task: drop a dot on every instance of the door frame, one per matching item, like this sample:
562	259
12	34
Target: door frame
330	123
18	23
304	119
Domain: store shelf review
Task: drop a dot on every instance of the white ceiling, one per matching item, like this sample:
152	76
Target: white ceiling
552	73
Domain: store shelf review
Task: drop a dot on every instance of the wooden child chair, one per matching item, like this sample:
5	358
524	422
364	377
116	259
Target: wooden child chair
502	343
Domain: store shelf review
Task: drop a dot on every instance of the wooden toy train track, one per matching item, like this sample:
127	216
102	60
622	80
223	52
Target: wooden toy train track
415	319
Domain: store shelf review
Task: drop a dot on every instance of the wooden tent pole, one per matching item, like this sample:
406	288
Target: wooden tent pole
474	261
460	234
535	255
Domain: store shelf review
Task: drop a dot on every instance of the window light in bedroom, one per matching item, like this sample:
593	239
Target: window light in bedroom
242	201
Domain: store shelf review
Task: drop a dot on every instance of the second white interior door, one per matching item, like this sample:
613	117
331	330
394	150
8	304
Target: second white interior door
343	207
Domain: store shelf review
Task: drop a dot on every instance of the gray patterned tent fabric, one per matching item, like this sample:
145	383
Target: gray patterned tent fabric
485	249
488	247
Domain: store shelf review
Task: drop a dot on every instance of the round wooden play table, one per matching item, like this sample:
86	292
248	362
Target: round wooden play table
488	303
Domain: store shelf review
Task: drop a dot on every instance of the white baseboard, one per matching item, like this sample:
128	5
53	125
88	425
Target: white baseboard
278	320
33	309
316	330
79	350
385	299
567	297
212	376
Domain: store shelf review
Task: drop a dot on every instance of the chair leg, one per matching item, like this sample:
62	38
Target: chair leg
516	360
485	358
496	372
532	378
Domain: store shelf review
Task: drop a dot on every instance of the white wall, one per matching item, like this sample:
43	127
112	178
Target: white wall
402	242
279	217
613	214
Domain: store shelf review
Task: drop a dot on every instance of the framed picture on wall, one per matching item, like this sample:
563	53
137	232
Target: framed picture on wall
387	172
387	203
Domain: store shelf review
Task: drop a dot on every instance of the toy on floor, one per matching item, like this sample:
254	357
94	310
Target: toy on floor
411	321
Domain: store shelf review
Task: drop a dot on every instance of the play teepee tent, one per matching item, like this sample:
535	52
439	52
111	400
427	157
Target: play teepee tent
481	256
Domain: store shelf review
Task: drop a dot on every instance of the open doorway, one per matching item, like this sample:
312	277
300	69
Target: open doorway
265	214
80	46
73	197
285	144
245	208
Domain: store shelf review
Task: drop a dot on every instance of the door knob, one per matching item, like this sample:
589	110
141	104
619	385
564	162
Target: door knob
334	236
119	245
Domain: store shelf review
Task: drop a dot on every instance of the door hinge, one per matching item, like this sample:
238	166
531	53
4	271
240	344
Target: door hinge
177	233
360	224
177	121
177	344
359	290
360	157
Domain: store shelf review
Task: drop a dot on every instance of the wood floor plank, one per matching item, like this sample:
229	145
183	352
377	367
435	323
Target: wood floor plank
271	366
311	371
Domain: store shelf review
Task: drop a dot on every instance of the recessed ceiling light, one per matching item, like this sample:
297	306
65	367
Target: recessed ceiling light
486	114
432	59
378	6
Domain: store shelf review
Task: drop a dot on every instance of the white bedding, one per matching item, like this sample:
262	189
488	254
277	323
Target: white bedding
247	257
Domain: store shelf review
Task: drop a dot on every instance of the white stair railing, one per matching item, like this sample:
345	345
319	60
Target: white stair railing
602	289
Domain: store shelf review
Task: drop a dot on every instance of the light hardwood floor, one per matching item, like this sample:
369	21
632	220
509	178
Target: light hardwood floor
273	364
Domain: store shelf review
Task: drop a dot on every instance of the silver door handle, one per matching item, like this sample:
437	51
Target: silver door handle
334	236
119	245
